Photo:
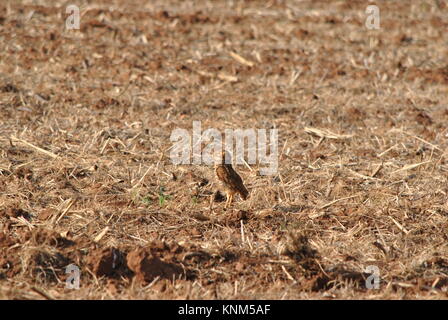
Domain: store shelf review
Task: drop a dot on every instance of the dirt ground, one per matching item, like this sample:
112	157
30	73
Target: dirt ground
86	176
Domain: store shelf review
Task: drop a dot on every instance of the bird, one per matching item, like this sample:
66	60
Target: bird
230	179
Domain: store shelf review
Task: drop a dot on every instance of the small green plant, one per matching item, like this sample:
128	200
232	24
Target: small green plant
162	197
283	226
135	195
146	200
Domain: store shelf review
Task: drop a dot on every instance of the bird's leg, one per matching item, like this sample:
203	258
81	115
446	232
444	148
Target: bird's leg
227	200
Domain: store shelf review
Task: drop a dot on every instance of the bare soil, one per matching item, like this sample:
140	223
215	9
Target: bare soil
86	176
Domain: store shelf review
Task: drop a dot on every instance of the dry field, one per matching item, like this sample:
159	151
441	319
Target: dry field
86	176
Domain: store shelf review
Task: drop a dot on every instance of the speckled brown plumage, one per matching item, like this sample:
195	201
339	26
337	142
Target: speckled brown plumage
231	180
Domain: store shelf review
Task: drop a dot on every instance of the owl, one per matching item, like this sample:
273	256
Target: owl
230	179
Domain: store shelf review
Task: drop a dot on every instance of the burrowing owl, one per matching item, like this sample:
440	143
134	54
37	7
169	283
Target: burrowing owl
230	179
